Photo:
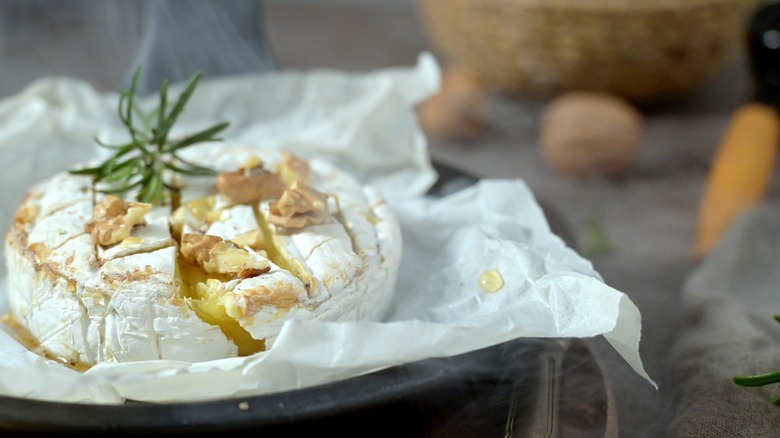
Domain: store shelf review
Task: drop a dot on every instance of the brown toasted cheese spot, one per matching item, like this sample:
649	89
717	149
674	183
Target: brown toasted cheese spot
25	216
280	298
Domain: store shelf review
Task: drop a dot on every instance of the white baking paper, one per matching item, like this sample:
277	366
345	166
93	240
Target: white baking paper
365	124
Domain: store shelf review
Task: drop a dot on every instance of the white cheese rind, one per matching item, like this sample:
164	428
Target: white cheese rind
233	221
262	304
90	304
61	225
63	190
144	317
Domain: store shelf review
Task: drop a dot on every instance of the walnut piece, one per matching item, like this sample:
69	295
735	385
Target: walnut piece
217	256
292	168
253	239
113	219
245	186
299	206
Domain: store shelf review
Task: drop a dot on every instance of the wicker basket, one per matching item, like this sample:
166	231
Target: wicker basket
638	49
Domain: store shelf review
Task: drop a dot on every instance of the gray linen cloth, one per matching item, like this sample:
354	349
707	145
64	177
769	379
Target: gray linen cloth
729	300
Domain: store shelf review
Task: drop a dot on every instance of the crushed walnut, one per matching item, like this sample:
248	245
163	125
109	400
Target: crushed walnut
299	206
113	219
292	168
218	256
253	239
247	185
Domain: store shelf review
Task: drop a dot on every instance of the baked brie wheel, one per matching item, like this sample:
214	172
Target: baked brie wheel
214	274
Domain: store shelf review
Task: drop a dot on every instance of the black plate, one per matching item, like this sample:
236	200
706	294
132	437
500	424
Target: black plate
468	395
474	394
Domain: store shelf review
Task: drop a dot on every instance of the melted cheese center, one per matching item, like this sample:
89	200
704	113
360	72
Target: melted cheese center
203	290
194	285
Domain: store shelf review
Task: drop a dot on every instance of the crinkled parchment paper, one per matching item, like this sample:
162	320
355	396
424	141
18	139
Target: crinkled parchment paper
364	123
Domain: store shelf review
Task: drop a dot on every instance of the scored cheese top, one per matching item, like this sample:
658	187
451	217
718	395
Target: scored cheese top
214	274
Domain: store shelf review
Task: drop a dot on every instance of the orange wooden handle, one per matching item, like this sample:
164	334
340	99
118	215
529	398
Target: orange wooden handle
740	174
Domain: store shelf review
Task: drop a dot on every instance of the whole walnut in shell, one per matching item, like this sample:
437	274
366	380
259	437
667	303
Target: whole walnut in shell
587	133
457	110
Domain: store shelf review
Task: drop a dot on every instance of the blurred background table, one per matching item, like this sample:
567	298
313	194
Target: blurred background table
648	217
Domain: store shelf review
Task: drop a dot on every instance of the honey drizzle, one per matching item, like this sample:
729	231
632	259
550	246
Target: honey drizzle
22	335
491	281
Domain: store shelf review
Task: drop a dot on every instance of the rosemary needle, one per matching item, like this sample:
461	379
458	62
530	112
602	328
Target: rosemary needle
141	163
761	379
758	379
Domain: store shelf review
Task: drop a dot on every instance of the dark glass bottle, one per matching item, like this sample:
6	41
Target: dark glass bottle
764	53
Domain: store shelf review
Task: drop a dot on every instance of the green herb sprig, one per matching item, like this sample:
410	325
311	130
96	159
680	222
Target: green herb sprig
761	379
141	163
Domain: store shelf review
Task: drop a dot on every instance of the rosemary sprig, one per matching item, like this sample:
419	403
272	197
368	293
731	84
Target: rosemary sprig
761	379
141	163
